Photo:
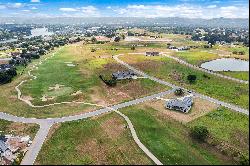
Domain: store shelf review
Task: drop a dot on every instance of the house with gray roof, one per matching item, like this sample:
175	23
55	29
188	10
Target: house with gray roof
122	75
4	149
184	104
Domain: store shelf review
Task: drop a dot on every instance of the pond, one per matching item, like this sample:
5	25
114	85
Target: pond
226	64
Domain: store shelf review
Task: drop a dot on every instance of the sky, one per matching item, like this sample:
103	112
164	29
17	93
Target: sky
206	9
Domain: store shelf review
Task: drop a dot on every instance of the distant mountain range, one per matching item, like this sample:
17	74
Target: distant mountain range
215	22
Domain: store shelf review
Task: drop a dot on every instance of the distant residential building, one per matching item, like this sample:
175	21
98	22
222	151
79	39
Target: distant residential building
121	75
102	38
184	105
152	53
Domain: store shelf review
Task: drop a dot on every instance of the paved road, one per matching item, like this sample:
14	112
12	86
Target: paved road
227	105
36	145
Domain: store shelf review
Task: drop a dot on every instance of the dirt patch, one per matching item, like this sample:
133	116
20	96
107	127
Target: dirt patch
56	87
114	67
199	108
76	93
145	65
52	131
113	127
97	152
46	98
20	128
29	98
176	76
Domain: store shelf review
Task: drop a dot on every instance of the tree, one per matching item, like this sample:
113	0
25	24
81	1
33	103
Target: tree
93	39
117	39
123	36
191	78
179	92
200	133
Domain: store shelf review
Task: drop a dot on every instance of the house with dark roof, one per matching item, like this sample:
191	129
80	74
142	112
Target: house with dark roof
122	75
152	53
183	104
5	67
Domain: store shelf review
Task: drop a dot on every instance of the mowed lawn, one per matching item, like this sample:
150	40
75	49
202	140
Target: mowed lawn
227	126
171	71
101	140
169	140
84	77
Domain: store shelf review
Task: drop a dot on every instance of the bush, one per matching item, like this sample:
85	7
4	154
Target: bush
191	78
179	92
244	159
200	133
112	82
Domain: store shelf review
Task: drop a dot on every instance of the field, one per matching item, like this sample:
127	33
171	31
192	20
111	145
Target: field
169	140
228	127
18	129
199	57
169	70
196	57
101	140
57	82
243	75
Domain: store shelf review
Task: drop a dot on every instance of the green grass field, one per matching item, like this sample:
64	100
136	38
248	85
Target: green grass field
169	140
243	75
102	140
227	126
84	77
196	57
169	70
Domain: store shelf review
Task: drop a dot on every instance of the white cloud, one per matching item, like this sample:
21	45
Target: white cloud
68	9
34	1
26	10
85	11
2	7
189	11
14	5
89	11
211	6
34	8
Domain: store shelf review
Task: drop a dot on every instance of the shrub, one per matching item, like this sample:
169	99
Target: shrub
179	92
244	159
191	78
111	82
200	133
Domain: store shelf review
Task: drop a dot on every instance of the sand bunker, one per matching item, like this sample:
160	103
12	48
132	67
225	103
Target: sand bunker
76	93
56	87
46	98
71	65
